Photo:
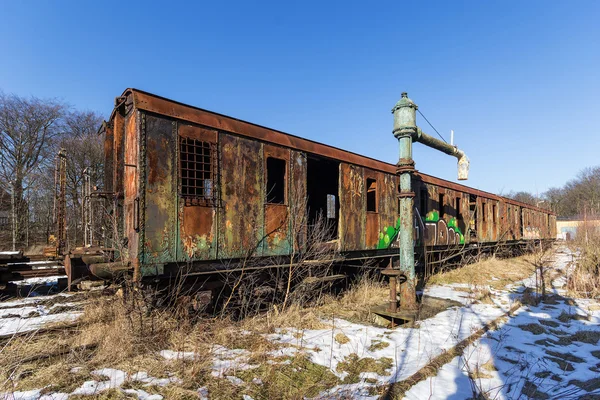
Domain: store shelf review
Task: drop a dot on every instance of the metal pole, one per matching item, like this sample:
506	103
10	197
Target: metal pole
407	132
14	217
405	129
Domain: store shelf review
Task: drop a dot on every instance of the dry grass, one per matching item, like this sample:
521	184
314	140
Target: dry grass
503	272
341	338
127	333
355	304
353	365
585	279
534	328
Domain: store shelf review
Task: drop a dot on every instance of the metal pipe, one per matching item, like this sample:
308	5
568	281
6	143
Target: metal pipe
407	132
463	160
405	128
108	270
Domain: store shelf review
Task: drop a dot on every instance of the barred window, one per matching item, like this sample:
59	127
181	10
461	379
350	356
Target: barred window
197	167
371	195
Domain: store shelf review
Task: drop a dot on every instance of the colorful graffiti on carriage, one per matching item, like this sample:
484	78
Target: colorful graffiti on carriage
430	230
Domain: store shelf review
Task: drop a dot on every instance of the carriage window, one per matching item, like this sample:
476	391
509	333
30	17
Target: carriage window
197	161
371	195
494	213
457	206
423	200
483	216
441	205
275	181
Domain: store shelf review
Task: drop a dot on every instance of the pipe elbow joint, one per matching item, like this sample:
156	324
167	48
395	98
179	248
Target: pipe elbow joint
463	167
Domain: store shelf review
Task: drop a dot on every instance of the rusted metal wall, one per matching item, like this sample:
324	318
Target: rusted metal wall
352	207
131	184
161	197
241	220
298	228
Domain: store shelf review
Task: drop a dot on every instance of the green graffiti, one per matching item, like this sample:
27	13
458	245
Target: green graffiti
389	234
454	225
432	216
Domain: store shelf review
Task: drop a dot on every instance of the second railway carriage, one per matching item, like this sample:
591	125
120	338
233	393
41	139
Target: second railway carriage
189	186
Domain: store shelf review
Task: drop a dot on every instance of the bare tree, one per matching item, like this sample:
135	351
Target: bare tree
579	195
84	150
28	129
523	197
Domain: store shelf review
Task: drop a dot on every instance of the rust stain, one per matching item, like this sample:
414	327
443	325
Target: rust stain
352	207
242	197
118	153
198	133
197	231
298	189
276	215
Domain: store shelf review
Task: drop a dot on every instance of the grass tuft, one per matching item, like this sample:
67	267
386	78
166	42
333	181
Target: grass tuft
354	366
534	328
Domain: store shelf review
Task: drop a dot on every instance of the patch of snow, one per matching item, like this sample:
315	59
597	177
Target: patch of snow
27	395
257	381
448	292
451	381
151	381
28	300
17	312
178	355
115	379
203	393
235	380
9	326
46	280
225	360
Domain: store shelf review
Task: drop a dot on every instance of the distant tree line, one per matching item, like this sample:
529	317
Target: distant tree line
580	195
32	130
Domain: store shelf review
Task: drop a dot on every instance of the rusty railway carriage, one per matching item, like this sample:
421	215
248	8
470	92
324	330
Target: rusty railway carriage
192	187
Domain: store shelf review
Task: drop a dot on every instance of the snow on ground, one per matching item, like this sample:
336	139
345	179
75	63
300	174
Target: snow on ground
29	314
550	347
46	280
544	351
108	378
30	300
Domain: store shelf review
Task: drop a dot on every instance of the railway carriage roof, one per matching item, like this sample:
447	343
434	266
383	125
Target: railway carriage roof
163	106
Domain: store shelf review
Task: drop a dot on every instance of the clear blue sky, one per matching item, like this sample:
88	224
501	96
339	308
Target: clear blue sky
517	81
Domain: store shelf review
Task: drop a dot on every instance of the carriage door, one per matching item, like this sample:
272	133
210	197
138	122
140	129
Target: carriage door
372	211
277	202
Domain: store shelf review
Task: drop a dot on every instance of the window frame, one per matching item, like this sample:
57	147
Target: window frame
197	199
285	179
368	191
